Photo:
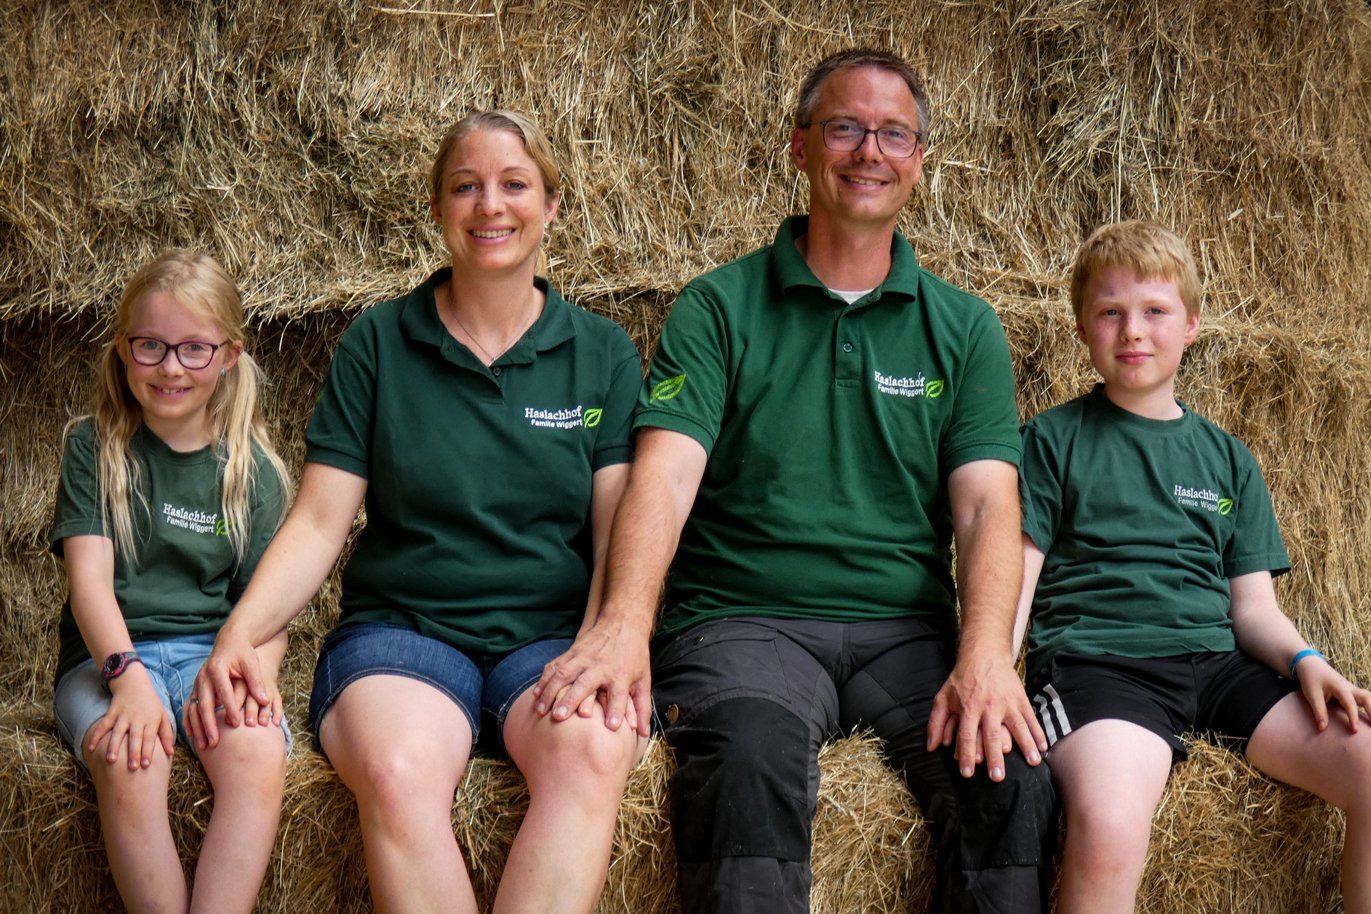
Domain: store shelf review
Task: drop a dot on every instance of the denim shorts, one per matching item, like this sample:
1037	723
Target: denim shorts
483	686
80	698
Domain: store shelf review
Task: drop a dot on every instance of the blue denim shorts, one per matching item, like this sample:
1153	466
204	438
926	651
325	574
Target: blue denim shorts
80	699
484	686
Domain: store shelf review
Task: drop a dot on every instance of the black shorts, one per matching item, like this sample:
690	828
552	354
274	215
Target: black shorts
1224	695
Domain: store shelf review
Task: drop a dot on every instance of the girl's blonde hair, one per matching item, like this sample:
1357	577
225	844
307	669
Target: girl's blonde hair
199	284
521	125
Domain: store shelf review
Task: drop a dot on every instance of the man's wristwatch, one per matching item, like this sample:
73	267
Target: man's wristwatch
117	664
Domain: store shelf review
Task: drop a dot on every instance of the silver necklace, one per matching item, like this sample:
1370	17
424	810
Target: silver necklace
490	359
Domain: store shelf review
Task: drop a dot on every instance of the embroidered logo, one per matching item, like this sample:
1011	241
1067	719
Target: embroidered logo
193	520
564	418
1203	498
916	386
668	389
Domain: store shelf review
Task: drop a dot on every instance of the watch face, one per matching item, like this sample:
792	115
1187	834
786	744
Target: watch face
114	665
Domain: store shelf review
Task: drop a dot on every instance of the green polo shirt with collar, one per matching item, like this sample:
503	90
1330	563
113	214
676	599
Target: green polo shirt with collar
478	478
831	430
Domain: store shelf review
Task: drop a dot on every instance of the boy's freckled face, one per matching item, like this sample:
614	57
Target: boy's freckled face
1136	330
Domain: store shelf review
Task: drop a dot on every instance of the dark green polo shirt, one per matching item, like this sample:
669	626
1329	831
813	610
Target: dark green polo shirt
185	578
478	479
831	430
1141	522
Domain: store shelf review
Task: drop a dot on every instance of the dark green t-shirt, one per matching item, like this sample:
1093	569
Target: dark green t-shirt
1141	522
831	430
478	479
185	578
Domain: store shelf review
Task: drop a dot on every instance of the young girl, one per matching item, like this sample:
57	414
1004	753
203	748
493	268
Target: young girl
169	493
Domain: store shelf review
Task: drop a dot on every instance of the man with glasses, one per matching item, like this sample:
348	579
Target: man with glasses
822	421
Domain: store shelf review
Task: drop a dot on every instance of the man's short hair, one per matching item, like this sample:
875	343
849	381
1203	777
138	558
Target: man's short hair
1150	250
859	57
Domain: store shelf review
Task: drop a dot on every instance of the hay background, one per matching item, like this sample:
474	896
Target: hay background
292	144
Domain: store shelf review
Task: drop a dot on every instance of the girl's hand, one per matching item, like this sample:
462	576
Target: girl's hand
137	717
1322	686
256	714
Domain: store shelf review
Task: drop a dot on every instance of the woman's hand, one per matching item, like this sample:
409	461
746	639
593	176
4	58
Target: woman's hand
231	673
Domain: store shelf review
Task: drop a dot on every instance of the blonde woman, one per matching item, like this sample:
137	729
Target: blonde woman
484	421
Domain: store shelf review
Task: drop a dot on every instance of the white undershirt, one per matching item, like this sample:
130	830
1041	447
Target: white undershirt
851	297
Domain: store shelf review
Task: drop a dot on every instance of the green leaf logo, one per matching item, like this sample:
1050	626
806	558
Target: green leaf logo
1225	506
667	389
933	389
592	417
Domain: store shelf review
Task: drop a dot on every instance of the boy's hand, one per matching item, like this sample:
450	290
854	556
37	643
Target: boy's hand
1322	686
136	716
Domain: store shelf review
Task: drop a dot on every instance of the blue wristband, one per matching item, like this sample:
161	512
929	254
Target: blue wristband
1307	652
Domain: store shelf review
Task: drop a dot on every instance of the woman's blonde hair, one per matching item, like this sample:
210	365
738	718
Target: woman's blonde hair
199	284
521	125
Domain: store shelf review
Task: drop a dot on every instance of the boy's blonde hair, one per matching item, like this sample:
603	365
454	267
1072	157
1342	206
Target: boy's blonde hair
199	284
1148	249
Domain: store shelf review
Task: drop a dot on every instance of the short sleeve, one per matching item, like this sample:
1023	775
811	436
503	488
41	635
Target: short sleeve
340	431
77	511
1256	543
985	417
1040	488
687	383
614	437
268	510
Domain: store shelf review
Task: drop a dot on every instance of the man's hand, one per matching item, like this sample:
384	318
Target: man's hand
982	701
609	660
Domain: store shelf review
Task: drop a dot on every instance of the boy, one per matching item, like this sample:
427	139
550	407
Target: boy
1149	549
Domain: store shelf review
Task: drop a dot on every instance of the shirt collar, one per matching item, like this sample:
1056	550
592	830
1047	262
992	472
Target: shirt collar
789	270
419	320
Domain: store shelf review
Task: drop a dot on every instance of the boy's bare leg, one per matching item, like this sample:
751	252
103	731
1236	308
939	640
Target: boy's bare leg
1110	775
1334	765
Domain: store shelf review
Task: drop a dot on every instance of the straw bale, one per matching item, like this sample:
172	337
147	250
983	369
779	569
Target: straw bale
1228	839
1293	401
871	851
1224	838
292	143
53	859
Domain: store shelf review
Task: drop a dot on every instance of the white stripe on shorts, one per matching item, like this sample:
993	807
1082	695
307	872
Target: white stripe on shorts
1050	706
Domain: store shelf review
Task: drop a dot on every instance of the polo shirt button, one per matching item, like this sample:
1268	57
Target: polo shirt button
495	371
847	347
